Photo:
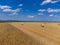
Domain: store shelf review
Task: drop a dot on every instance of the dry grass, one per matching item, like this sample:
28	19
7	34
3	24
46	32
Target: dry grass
30	33
10	35
46	33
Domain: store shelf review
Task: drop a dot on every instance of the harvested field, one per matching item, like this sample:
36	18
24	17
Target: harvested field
30	33
47	33
10	35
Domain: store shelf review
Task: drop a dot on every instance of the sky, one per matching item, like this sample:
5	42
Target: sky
30	10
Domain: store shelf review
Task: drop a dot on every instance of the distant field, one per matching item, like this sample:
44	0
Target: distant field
47	33
10	35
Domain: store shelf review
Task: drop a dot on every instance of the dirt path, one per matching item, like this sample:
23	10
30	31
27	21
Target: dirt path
47	35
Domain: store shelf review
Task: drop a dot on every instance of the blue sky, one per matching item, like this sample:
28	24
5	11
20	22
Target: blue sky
30	10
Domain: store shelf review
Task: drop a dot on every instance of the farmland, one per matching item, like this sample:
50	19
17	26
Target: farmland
47	33
30	33
10	35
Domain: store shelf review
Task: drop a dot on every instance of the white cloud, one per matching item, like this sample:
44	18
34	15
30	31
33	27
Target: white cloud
54	1
53	10
45	2
14	13
10	10
51	15
40	14
20	5
30	16
41	10
49	10
4	7
49	1
7	10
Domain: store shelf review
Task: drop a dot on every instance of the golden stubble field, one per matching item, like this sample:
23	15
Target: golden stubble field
30	33
10	35
47	33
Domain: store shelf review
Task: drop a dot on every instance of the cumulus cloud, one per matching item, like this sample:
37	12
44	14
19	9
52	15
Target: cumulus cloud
51	15
14	13
53	10
20	5
41	10
9	10
30	16
4	7
40	14
49	10
49	1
